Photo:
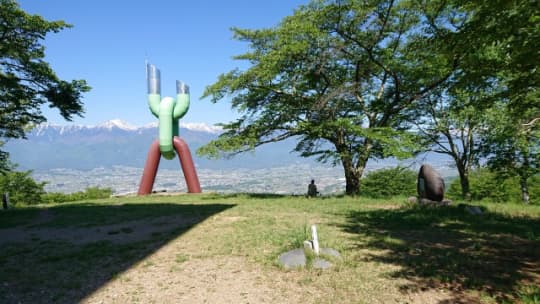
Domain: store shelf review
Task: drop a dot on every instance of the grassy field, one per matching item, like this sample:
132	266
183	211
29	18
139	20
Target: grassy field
223	249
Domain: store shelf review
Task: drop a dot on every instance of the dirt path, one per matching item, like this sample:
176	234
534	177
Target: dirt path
209	280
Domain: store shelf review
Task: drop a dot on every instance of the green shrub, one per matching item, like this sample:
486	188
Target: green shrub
386	183
22	188
96	192
55	197
487	185
89	193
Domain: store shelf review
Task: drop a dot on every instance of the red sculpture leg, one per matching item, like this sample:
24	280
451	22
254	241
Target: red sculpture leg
150	169
186	161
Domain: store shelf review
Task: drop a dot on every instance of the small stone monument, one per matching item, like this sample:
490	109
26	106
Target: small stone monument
430	184
296	258
315	239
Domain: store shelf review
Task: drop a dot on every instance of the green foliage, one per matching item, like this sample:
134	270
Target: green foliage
347	78
385	183
340	77
96	192
89	193
496	44
22	188
512	147
27	82
501	40
488	185
4	160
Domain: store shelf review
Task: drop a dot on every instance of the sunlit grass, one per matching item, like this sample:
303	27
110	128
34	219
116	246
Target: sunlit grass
389	248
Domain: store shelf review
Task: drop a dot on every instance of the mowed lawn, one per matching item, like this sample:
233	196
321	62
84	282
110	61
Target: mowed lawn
214	248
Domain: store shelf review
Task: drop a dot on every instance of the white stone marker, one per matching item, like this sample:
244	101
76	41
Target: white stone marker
315	239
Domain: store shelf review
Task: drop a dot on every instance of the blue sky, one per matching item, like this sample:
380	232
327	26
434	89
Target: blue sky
186	40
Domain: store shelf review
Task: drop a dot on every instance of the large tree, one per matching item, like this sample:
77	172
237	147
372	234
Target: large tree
508	31
27	81
499	46
340	76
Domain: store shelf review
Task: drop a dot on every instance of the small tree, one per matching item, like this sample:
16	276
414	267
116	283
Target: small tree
26	80
513	147
22	188
453	123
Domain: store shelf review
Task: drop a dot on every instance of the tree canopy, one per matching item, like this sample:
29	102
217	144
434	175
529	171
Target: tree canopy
26	80
502	41
500	49
338	76
357	80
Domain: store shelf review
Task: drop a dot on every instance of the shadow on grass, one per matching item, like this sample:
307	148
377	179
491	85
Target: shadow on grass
49	267
446	248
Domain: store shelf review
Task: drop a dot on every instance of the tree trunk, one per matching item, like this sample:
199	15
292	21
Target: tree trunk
352	178
465	187
353	174
524	189
464	181
523	176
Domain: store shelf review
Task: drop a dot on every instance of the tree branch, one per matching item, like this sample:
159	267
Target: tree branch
436	83
531	123
385	20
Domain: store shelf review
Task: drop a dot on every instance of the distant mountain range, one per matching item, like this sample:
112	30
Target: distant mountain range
117	143
73	157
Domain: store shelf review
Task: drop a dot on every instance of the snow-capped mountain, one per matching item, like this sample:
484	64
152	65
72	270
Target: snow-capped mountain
116	142
192	126
202	127
120	125
198	132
